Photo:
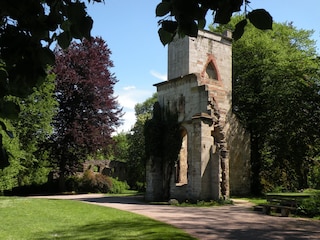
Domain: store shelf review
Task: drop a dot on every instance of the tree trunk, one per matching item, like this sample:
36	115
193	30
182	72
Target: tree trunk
62	176
62	183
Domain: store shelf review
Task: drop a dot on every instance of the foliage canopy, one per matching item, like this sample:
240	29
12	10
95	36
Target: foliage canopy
276	90
137	143
180	17
28	30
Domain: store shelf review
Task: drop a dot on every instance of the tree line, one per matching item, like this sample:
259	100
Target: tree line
276	95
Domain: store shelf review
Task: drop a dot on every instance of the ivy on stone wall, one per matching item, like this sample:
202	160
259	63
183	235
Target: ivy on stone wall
163	137
153	131
172	139
163	143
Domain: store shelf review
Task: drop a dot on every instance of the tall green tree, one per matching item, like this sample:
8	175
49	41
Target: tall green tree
119	149
136	139
276	90
33	128
88	110
26	163
9	169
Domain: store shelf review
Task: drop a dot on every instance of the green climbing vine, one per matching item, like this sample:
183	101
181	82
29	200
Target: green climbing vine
163	143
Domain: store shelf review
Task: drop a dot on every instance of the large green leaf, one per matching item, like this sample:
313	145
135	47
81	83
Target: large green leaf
165	37
239	29
64	39
190	29
202	24
86	26
163	9
170	26
222	16
76	11
261	19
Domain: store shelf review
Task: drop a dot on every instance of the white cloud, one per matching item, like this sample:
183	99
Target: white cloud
129	88
160	76
129	120
127	101
128	97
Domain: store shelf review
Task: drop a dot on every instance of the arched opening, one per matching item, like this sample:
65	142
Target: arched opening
211	71
182	163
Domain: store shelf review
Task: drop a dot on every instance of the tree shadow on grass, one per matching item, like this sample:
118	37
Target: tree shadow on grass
116	199
116	230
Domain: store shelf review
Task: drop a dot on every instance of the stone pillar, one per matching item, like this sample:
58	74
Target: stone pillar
194	173
224	161
153	180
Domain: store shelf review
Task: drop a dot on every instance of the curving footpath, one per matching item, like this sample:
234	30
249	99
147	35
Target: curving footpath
235	222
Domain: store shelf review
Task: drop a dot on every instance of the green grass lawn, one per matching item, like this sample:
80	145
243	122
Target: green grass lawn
254	200
26	218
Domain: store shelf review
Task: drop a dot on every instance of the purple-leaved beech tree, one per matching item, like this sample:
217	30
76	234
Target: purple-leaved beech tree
88	110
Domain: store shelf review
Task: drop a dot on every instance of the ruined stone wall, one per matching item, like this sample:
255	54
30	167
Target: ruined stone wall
239	155
153	180
190	55
113	168
183	96
199	91
193	55
190	100
178	58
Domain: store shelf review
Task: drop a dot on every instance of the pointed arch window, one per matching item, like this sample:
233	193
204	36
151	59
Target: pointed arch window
210	70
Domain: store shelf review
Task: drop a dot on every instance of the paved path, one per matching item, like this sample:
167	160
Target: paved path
236	222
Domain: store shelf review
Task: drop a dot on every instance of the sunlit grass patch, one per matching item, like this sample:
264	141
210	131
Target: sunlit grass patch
26	218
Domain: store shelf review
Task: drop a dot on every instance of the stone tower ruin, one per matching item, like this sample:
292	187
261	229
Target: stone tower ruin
214	160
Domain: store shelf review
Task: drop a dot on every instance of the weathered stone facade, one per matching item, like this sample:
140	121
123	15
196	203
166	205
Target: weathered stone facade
215	154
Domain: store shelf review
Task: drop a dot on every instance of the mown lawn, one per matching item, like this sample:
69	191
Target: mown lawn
254	200
26	218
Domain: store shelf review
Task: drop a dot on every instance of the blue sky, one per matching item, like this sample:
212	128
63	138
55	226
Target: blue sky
130	30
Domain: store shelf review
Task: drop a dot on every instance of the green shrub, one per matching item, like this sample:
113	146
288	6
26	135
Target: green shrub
87	181
314	174
278	189
310	207
140	186
95	182
103	183
73	184
118	186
